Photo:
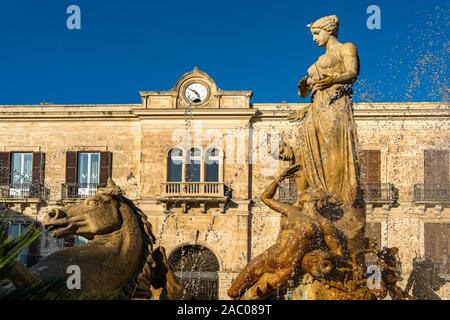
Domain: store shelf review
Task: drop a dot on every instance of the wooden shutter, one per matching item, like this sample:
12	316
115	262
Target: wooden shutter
370	166
430	241
5	168
436	168
71	166
38	168
373	231
448	248
105	167
437	244
34	250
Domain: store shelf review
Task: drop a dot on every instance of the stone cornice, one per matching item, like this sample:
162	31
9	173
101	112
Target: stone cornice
259	111
195	114
367	111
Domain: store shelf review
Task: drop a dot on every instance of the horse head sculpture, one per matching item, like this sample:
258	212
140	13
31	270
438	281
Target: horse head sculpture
119	257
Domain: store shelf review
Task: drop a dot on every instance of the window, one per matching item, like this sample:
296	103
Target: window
370	167
371	175
212	160
175	165
85	172
88	173
193	165
15	229
74	241
80	241
437	245
197	269
21	174
436	175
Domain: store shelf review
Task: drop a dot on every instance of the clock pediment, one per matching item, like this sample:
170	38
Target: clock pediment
196	89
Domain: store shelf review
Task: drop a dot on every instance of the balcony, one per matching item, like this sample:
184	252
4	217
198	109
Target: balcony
379	193
75	191
442	268
193	192
431	194
374	194
25	192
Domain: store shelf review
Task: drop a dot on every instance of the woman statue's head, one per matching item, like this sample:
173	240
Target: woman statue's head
324	28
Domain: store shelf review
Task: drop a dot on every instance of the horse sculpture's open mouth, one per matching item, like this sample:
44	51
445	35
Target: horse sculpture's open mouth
58	228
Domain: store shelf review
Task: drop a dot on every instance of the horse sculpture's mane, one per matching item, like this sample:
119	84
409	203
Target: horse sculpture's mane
139	283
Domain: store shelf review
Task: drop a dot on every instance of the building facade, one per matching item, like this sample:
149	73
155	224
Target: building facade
196	159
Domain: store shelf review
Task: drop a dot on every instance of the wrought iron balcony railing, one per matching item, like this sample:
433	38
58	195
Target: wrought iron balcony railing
431	193
24	191
379	193
79	190
374	193
193	189
442	268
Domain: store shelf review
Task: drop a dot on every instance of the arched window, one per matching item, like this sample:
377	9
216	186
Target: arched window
193	165
196	267
212	160
175	165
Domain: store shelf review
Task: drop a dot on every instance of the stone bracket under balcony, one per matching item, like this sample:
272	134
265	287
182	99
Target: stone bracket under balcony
187	194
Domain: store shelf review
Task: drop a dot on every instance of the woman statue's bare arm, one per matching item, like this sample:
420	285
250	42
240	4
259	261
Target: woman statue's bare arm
351	64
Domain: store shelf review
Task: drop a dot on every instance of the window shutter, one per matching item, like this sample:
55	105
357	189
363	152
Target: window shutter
105	167
363	166
430	241
436	163
448	248
373	231
5	168
442	169
437	244
71	166
371	166
38	168
34	251
443	247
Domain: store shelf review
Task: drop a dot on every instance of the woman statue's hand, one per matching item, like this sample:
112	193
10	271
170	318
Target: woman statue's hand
324	83
304	87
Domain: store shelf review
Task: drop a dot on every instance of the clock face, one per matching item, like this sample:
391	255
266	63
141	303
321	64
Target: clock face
196	92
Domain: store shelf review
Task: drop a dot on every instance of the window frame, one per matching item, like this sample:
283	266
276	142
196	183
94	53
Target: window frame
186	156
22	165
90	188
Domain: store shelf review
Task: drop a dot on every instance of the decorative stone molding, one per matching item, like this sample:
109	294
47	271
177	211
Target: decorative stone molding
176	99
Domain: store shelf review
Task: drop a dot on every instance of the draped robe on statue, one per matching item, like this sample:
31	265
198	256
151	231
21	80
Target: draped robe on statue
328	147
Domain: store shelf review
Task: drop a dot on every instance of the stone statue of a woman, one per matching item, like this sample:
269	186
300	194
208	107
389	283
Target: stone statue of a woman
321	239
327	141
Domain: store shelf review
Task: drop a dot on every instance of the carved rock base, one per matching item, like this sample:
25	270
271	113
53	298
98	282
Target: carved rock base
311	289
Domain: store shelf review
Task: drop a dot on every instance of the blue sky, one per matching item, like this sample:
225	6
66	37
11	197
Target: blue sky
264	46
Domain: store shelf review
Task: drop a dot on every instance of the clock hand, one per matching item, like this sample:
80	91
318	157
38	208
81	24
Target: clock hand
195	91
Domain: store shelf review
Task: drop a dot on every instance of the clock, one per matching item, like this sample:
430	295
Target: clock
196	92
